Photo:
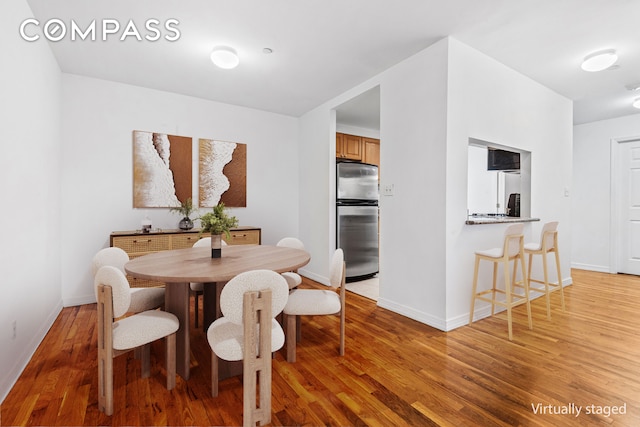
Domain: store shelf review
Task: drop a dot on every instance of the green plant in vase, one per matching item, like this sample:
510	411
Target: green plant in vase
185	209
217	222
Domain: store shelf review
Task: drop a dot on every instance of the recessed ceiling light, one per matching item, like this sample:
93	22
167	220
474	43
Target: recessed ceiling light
224	57
600	60
267	50
636	103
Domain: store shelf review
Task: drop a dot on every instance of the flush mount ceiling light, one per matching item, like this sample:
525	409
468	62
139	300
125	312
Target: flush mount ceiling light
600	60
636	103
224	57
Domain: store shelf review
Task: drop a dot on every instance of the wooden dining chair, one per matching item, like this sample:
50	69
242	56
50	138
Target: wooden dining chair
248	331
142	299
316	302
118	335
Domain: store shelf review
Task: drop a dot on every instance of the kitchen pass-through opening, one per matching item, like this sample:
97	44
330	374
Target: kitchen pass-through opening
498	180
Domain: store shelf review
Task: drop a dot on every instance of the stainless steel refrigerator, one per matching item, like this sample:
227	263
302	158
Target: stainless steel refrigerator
357	195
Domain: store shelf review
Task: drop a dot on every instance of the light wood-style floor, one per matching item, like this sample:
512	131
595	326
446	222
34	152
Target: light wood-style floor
395	372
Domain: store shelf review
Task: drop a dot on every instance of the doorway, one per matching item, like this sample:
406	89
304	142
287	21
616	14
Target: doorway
358	140
625	206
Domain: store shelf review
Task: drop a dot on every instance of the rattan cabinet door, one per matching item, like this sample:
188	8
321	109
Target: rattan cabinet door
183	241
141	244
243	237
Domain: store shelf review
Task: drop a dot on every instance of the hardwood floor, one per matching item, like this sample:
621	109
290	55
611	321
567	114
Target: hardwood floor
395	372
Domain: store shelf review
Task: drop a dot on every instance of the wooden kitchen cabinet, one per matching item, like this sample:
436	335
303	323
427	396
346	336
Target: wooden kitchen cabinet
371	151
358	148
348	146
136	244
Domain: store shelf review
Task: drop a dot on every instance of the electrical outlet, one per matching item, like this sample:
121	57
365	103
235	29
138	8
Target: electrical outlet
387	190
14	325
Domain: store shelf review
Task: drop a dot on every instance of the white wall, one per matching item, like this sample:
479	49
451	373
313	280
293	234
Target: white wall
491	102
316	197
412	131
357	130
431	104
30	189
97	180
592	189
413	127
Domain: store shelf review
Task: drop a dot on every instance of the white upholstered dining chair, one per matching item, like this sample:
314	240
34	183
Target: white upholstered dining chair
118	335
292	277
315	302
248	331
142	299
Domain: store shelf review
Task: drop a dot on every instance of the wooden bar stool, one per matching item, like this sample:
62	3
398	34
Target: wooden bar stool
512	250
548	243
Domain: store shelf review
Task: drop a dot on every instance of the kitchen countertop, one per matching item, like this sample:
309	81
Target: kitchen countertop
477	219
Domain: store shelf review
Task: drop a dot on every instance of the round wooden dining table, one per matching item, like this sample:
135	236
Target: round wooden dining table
177	268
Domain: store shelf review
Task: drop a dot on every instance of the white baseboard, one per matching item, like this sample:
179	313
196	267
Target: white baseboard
450	323
315	277
591	267
411	313
11	375
81	300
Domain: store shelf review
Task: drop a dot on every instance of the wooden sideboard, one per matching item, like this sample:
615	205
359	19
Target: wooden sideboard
136	243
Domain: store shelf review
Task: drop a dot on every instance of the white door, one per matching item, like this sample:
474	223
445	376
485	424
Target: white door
629	208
